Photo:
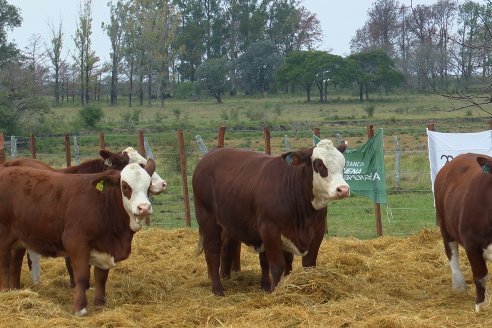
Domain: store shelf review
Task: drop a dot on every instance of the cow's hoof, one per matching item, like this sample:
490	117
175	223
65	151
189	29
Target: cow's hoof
100	301
218	291
81	313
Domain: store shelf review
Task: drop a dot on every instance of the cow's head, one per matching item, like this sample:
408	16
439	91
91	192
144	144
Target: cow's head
116	161
158	184
134	183
327	162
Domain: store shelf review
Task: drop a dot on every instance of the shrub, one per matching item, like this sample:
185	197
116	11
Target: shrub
370	109
91	115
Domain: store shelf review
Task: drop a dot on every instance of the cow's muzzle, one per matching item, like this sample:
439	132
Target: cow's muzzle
343	191
143	210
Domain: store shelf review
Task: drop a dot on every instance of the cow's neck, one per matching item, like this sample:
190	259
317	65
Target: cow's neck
117	227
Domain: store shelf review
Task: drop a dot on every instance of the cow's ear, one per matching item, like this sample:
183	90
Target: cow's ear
342	146
106	182
299	157
150	166
485	164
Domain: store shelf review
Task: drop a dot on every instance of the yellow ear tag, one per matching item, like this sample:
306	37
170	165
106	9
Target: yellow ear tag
100	185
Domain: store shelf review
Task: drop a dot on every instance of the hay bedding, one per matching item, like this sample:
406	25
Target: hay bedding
386	282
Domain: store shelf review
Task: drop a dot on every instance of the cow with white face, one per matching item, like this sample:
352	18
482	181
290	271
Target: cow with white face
90	218
158	185
277	205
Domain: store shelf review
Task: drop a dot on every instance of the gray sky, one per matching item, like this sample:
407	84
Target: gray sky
339	21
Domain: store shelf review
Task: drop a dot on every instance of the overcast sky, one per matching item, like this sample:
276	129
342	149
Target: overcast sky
339	21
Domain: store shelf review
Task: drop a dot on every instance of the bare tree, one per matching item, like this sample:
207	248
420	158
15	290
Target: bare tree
54	53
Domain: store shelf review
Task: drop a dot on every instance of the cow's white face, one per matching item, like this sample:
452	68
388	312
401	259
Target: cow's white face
158	184
135	183
328	183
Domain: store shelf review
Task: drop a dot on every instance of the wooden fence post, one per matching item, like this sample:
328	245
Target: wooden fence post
141	147
266	136
68	154
377	206
220	139
490	124
184	179
2	149
32	143
102	145
431	127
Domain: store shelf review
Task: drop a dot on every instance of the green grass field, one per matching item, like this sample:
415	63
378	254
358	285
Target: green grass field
403	118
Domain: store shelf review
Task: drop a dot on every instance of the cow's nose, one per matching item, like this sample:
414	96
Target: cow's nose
343	191
144	209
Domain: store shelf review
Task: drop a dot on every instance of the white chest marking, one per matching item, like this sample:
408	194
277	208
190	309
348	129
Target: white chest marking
289	246
101	260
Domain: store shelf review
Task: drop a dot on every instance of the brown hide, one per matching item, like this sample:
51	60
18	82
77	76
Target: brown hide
57	214
108	161
254	198
463	200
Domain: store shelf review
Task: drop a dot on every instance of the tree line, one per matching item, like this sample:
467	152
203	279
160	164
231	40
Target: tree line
162	48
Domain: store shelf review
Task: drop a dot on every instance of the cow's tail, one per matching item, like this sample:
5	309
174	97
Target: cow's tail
199	246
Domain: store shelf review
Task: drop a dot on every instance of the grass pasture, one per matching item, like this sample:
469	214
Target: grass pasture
403	118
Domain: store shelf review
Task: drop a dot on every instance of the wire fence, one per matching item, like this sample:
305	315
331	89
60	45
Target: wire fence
409	209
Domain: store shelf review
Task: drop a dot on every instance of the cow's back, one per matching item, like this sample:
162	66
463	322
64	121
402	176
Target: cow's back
462	197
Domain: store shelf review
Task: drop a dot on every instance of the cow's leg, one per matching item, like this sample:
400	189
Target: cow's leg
81	273
272	242
6	243
212	245
480	274
100	278
451	249
266	283
309	260
16	266
236	258
68	265
227	256
34	262
289	258
457	277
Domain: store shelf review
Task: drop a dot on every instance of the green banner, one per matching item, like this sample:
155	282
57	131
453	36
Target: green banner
364	169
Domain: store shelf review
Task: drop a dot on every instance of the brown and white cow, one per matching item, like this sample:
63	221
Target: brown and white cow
91	218
108	161
463	200
267	203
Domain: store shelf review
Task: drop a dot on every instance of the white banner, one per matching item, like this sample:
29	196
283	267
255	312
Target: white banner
443	147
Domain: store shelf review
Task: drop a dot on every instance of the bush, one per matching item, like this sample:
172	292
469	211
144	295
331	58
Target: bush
370	109
91	115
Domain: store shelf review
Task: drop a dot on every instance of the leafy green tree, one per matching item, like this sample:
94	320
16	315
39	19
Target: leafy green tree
114	30
191	31
256	67
213	75
301	68
21	107
9	19
374	69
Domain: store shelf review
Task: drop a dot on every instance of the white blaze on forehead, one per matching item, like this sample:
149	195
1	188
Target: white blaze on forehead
325	188
139	181
158	184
